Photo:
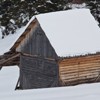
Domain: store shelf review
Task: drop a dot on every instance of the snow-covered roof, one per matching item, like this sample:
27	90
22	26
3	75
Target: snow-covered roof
71	32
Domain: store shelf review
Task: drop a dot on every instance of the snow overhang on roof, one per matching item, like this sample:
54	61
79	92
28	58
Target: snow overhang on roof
71	32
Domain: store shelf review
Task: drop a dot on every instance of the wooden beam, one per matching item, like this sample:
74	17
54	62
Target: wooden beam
8	59
29	55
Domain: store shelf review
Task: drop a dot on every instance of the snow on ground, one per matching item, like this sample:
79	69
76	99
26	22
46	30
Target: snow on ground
9	75
8	78
71	93
8	41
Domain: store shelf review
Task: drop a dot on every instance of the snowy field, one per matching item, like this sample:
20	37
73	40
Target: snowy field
9	77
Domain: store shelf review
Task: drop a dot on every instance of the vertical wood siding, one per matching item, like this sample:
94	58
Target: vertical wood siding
38	44
38	73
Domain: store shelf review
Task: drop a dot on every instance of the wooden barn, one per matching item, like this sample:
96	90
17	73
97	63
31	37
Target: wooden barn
48	50
80	69
38	65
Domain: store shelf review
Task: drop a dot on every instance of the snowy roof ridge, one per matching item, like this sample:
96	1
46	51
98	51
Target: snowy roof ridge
71	32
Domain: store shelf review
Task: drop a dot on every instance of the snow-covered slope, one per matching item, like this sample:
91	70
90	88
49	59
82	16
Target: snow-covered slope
8	77
8	41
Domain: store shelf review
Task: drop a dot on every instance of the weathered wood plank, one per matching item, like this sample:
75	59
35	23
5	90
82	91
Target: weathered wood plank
9	59
40	73
81	68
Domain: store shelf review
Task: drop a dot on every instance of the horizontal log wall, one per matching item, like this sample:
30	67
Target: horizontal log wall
78	70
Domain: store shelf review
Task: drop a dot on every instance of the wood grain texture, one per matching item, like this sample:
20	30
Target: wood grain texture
38	66
76	70
36	72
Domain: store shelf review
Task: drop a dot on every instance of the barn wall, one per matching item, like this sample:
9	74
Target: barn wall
38	72
19	44
78	70
36	43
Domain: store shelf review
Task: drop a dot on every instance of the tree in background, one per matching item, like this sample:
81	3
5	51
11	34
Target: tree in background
94	6
20	11
16	13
